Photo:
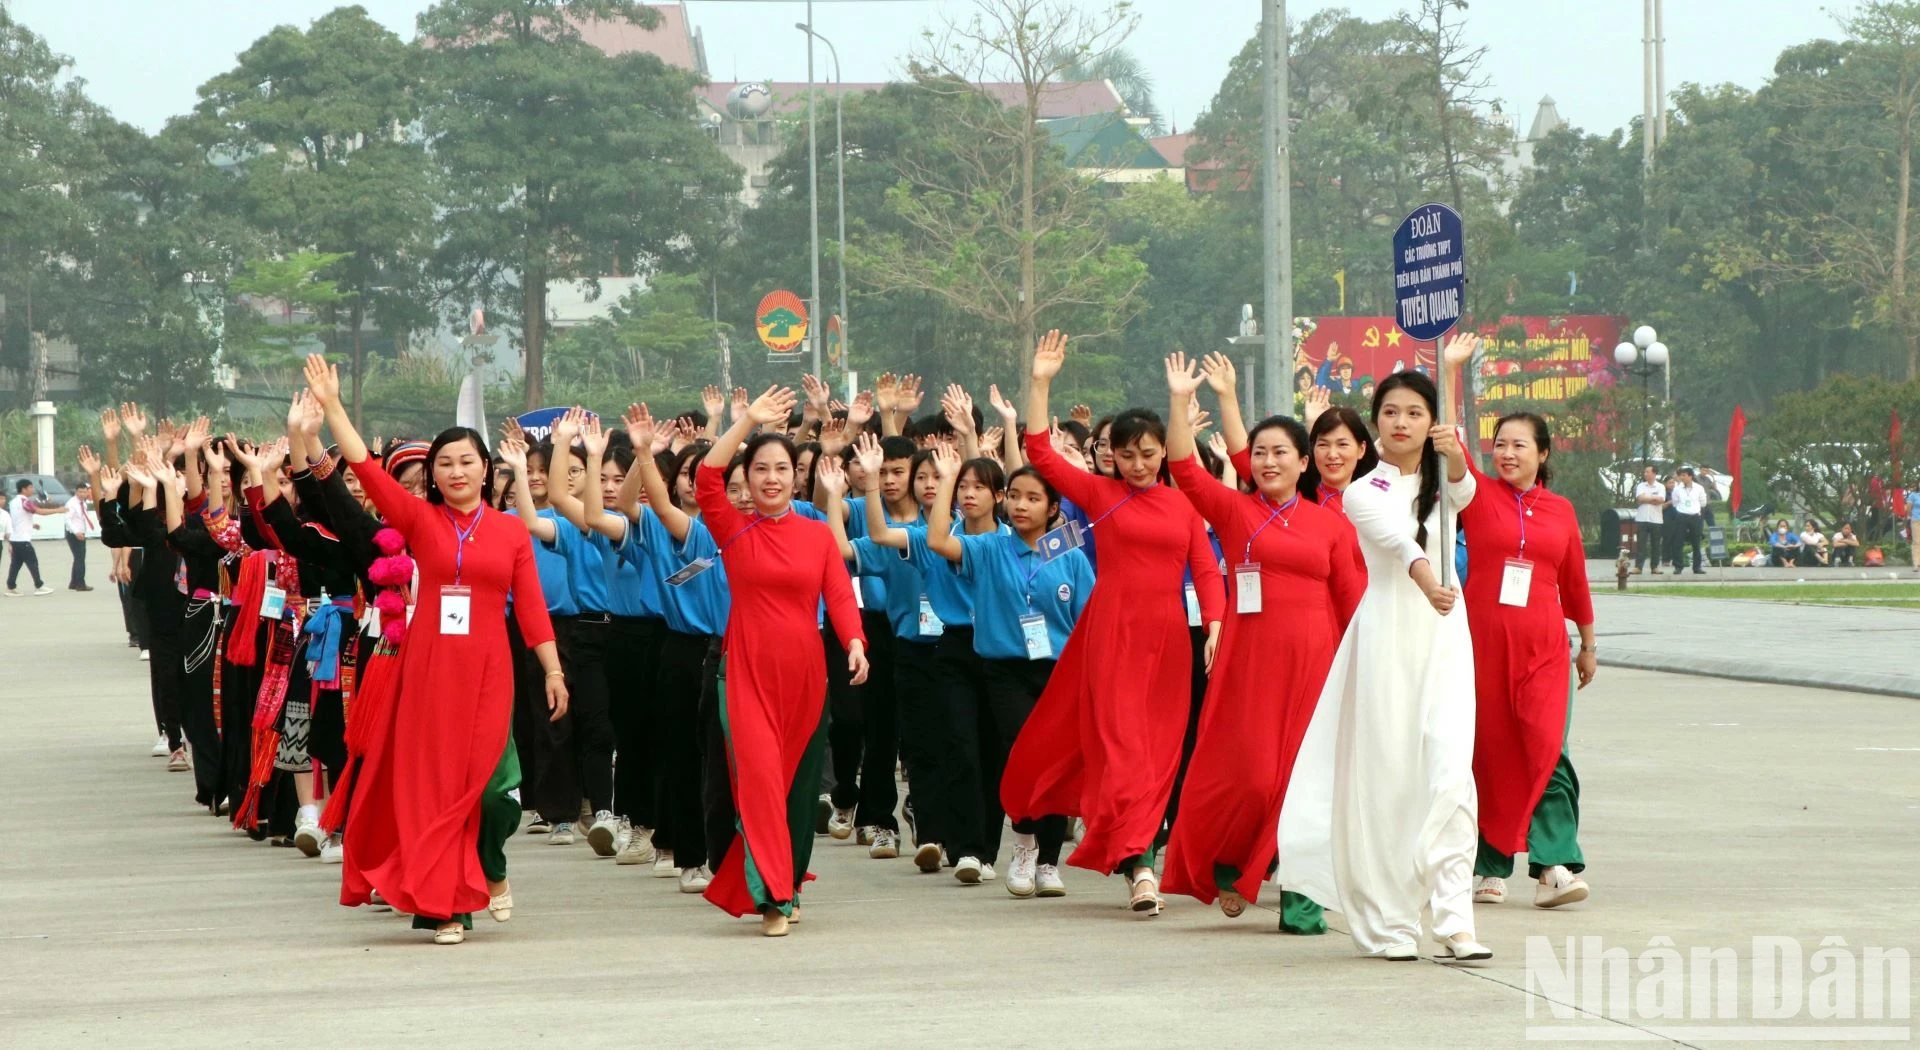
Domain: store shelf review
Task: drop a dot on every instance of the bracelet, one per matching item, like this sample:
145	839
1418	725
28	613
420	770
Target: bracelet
1590	648
556	674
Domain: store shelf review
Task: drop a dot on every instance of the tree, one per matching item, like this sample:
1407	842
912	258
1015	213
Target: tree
292	286
658	339
1128	75
321	120
561	163
1000	225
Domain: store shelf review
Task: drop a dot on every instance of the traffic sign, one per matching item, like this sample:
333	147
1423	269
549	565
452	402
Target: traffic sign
1429	271
834	340
781	321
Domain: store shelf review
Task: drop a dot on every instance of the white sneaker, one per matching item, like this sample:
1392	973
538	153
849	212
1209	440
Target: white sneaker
695	880
43	590
639	848
332	852
600	835
664	867
1021	873
13	592
886	844
1049	882
561	835
1559	886
306	831
987	874
840	825
622	834
146	654
1489	890
177	761
969	870
160	748
927	857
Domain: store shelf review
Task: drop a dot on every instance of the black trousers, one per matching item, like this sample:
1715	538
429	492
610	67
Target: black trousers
1196	696
678	685
77	546
1648	535
549	784
954	789
199	637
918	710
1687	529
863	730
587	709
716	794
630	666
1013	687
239	690
165	672
132	609
23	554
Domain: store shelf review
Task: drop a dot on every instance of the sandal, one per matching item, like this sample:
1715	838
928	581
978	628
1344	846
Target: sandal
773	924
1232	905
1146	898
501	907
451	933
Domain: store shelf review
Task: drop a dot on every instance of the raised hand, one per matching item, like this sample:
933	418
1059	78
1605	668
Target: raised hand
946	461
216	460
89	463
817	396
514	451
247	455
773	406
740	401
1220	374
110	425
1319	399
109	483
713	400
1066	449
594	437
990	440
867	451
1050	355
957	404
640	425
1198	418
1218	444
134	419
1460	348
1081	414
833	438
196	435
567	428
910	395
324	380
886	392
830	477
1183	378
1008	414
860	411
512	431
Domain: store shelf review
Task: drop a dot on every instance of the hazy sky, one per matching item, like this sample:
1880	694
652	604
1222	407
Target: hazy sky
144	59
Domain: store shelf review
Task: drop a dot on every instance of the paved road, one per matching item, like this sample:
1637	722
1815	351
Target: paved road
1602	573
1715	811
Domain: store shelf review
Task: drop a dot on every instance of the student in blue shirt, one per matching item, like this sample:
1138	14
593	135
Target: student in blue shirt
898	478
956	782
1024	610
587	727
666	536
633	630
549	784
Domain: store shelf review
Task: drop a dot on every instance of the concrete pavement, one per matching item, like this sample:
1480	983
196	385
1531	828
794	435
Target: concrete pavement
1714	812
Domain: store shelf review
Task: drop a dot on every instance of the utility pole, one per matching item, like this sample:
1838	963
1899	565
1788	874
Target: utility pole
814	324
1277	205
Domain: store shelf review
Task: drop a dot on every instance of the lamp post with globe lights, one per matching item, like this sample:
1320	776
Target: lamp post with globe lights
1642	357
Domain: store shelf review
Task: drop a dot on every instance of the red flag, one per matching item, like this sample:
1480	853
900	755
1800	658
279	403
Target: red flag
1735	431
1893	440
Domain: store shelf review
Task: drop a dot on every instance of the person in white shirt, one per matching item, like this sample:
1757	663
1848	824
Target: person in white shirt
1649	496
1688	500
80	525
21	509
1813	546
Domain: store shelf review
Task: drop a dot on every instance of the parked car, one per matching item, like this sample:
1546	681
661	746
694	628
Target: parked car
48	491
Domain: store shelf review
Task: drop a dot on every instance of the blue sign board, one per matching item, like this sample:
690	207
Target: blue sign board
538	424
1429	272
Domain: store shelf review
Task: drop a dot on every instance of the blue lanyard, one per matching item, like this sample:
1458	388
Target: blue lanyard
1113	508
754	524
1019	547
1520	504
460	537
1277	511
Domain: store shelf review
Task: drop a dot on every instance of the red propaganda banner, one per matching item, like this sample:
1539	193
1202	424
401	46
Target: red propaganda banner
1557	358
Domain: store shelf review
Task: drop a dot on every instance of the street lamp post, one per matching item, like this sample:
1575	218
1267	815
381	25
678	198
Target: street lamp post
1642	357
840	176
813	195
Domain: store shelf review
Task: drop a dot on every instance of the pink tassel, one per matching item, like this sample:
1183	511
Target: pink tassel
394	570
389	541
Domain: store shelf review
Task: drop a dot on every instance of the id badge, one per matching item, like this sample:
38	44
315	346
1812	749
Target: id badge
1246	585
1057	543
689	571
1516	582
859	599
456	610
1039	643
273	602
372	621
930	625
1193	606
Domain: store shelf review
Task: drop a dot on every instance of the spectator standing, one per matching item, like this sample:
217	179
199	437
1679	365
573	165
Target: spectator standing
80	525
21	510
1689	501
1913	526
1649	499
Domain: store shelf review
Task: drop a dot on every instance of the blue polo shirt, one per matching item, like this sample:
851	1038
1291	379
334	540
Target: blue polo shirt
704	600
902	581
951	596
1010	581
649	550
1071	511
586	569
552	567
632	591
873	589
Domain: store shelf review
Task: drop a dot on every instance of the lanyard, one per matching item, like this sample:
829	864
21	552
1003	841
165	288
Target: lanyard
1277	511
752	525
1520	505
1019	547
461	536
1113	508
